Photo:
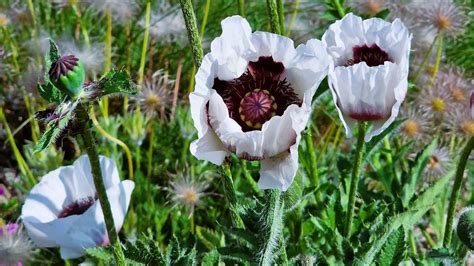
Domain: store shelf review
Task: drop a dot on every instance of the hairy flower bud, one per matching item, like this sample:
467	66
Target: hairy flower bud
465	227
67	73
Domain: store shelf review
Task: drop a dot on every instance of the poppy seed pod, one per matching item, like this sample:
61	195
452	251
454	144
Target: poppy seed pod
68	74
465	227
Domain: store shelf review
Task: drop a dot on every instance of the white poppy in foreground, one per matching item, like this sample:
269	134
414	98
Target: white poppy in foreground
63	210
253	98
369	82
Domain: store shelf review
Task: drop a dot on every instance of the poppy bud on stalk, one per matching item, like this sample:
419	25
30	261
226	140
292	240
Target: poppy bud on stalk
465	227
67	74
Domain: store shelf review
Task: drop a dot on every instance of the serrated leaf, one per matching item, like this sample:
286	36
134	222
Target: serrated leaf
211	258
101	253
406	219
50	93
115	81
62	115
394	249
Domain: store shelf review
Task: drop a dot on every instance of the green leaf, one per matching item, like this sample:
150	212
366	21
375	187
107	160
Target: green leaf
62	115
383	14
51	57
101	253
406	219
394	250
415	173
50	93
115	81
375	140
211	258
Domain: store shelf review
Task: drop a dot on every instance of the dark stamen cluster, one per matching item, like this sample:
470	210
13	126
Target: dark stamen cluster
372	56
258	95
78	207
62	66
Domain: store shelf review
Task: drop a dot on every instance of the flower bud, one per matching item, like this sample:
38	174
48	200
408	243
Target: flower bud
465	227
67	74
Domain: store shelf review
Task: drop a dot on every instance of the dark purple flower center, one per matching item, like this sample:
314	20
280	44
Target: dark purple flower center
77	207
372	56
62	66
258	95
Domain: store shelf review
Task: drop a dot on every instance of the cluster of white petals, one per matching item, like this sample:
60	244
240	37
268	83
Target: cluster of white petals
276	144
62	211
360	89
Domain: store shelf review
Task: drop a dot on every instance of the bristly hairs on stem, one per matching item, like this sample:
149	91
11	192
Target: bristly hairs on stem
193	35
448	231
272	226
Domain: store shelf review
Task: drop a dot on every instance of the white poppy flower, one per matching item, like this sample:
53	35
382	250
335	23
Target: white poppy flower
369	81
63	210
253	98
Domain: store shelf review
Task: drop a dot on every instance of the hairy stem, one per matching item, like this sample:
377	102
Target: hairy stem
193	35
231	198
281	15
273	225
273	14
249	178
91	149
456	191
340	9
355	178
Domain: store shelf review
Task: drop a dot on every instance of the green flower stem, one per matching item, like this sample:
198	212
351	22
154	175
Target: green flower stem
231	198
91	149
281	15
425	60
242	8
193	35
340	9
141	70
312	157
201	34
293	17
273	14
24	169
438	58
355	178
456	191
272	224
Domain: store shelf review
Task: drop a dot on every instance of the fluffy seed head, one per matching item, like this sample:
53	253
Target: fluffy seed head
4	20
15	247
438	164
187	191
441	15
155	96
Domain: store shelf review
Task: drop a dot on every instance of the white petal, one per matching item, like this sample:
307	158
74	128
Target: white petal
207	146
70	253
279	171
279	47
89	230
229	48
351	31
359	88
